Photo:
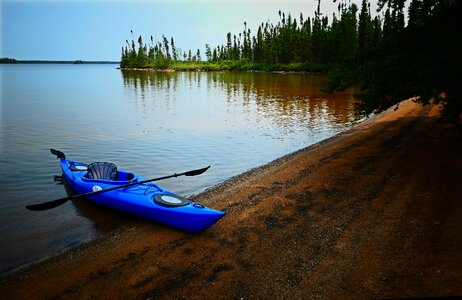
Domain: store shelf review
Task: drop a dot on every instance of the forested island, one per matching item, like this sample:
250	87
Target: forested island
8	60
389	57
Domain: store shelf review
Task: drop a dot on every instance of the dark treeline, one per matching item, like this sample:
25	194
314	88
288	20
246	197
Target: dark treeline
312	41
387	58
421	59
7	60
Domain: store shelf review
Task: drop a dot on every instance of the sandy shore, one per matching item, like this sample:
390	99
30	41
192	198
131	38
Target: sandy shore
374	212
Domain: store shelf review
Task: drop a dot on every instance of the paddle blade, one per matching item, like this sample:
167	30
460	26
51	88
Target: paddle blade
58	153
47	205
196	172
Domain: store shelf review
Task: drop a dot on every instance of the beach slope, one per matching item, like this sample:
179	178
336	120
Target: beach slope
374	212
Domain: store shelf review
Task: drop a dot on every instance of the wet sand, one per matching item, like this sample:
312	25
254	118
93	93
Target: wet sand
374	212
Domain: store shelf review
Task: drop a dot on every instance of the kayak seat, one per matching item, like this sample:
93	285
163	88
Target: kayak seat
102	170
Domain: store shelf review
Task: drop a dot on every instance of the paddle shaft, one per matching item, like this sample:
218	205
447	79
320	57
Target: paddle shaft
121	186
55	203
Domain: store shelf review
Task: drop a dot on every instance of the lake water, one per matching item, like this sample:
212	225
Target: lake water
152	123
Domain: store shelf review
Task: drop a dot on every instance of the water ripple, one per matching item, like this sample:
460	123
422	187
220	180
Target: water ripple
152	123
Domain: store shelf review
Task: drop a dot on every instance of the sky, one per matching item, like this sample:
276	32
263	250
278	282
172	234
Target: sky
94	30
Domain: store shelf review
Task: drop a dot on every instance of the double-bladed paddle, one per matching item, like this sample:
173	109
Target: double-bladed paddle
55	203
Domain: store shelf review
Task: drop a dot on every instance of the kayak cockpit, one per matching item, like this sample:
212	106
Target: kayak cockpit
125	176
107	172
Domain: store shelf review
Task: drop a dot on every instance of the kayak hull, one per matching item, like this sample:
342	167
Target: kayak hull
140	199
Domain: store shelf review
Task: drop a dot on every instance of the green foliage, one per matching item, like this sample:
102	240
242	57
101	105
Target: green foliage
388	60
308	42
291	44
422	59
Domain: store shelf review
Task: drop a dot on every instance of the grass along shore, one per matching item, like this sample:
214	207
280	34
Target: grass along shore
231	65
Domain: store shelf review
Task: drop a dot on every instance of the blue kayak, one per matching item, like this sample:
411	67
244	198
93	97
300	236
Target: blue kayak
146	200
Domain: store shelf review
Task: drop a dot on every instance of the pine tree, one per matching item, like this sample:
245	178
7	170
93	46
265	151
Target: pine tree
208	52
228	46
174	53
365	32
166	47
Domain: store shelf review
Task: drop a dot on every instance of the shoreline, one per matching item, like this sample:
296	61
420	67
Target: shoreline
149	69
366	213
239	66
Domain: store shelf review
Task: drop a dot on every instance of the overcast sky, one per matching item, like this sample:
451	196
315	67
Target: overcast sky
97	29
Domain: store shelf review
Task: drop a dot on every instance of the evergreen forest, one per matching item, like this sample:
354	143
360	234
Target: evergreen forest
390	56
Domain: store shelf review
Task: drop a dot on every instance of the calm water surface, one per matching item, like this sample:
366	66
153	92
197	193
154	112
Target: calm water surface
154	124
